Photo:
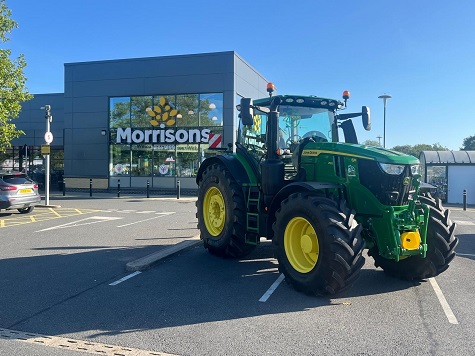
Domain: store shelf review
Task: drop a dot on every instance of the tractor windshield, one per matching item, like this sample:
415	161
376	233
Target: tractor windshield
297	123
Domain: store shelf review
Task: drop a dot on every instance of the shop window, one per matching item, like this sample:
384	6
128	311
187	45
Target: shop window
138	111
163	111
141	160
119	112
164	158
187	106
188	160
211	110
120	160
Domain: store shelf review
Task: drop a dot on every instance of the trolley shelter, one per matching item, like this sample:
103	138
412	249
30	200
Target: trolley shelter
451	172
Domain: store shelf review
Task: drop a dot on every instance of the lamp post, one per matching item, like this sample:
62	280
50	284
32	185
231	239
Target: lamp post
385	97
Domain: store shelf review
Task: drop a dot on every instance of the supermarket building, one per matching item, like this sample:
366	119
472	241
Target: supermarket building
137	121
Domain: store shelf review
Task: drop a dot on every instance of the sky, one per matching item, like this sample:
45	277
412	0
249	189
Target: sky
420	52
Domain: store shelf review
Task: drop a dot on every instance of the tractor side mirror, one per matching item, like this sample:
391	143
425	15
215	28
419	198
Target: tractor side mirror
247	112
366	117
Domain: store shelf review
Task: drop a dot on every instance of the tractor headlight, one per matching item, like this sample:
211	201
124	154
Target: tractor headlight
415	169
393	169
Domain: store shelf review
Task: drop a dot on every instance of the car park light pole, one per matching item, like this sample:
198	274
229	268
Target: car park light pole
46	152
385	97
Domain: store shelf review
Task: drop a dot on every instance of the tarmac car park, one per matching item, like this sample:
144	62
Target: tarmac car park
64	284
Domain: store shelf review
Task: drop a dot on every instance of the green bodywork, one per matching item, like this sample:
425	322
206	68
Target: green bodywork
337	164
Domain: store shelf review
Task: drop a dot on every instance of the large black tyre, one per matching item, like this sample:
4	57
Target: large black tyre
318	244
221	213
441	243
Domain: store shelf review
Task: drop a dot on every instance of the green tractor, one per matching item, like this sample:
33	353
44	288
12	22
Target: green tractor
319	200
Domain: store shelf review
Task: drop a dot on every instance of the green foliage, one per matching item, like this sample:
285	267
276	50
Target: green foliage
13	89
417	149
468	143
371	143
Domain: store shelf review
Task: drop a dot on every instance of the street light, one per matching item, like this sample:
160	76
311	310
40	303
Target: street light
385	97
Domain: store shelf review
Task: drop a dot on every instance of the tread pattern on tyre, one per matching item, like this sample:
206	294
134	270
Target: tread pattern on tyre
341	245
441	243
231	241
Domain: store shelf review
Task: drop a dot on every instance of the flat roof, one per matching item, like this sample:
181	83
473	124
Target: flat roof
448	157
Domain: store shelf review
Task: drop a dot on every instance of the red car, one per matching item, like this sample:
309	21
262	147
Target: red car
18	191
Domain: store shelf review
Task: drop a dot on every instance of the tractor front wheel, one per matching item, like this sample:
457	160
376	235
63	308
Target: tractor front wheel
318	244
221	213
441	243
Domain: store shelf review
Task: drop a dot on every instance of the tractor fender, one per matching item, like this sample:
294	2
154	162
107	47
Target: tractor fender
231	163
291	188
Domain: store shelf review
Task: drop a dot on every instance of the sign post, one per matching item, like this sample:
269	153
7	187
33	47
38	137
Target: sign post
48	140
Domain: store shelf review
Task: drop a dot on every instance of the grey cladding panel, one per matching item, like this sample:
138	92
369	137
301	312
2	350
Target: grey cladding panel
151	67
186	84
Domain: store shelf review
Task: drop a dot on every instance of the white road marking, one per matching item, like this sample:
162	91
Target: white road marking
272	288
146	212
155	217
125	278
465	222
86	221
443	302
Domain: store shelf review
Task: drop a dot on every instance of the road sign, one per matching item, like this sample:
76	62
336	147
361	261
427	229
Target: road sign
48	137
45	149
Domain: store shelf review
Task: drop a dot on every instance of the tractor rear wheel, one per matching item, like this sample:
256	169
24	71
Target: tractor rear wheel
441	243
221	213
318	244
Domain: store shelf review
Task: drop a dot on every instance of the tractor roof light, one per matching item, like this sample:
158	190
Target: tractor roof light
346	95
270	88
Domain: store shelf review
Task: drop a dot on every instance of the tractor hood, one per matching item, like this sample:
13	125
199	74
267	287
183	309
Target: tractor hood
378	154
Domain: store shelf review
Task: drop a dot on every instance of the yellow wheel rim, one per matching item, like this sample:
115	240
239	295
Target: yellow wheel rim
301	245
214	211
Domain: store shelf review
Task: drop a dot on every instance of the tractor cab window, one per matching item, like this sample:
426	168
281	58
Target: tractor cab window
297	123
254	137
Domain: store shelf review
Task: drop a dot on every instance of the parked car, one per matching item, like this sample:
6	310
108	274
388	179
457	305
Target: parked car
18	191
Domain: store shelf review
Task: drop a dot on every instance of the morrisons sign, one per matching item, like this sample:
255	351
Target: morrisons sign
162	135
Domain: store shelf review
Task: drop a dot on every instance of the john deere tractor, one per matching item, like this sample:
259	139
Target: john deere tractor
321	201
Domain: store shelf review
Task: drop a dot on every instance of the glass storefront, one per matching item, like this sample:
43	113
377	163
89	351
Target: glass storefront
162	136
34	163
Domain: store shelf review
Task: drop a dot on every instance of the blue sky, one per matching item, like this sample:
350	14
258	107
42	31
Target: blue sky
420	52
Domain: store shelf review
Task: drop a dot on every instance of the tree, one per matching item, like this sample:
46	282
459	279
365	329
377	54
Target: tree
371	143
13	89
417	149
468	143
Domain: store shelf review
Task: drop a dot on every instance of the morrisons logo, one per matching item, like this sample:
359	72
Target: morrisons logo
162	116
162	136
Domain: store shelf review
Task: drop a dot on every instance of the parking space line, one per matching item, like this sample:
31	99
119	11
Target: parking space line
155	217
443	302
125	278
54	212
272	288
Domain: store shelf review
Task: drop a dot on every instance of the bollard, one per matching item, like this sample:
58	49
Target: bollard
148	189
178	189
118	188
90	187
64	187
465	199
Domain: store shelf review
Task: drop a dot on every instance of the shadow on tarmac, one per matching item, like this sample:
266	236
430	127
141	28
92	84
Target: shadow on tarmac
69	292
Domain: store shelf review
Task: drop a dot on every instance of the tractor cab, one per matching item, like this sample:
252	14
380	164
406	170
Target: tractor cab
279	127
